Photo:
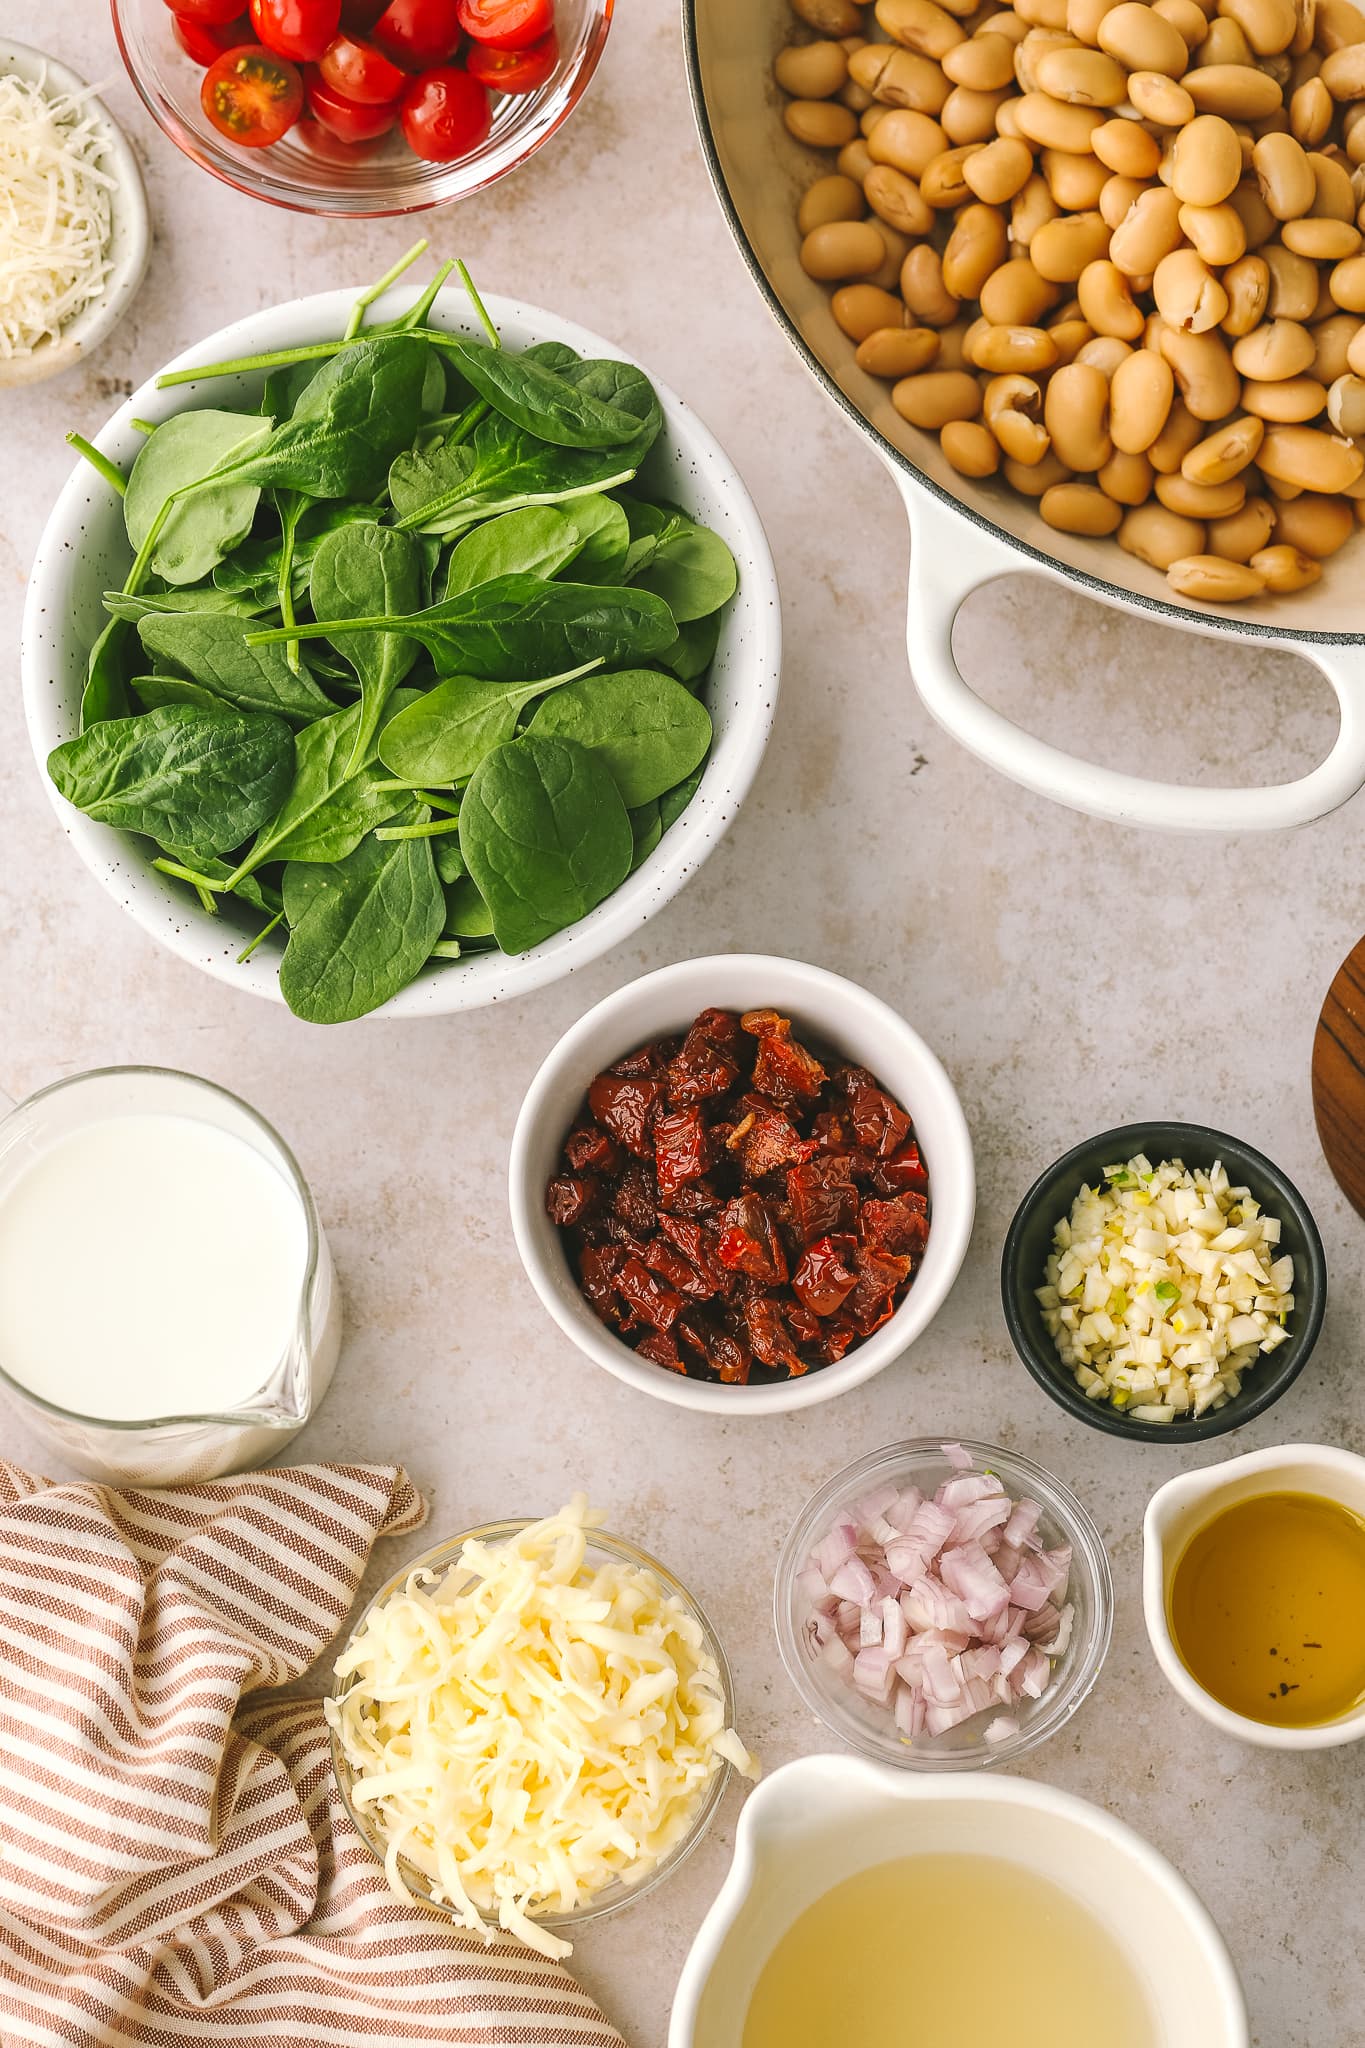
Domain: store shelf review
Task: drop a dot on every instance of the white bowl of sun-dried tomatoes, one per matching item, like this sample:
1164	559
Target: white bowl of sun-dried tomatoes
742	1184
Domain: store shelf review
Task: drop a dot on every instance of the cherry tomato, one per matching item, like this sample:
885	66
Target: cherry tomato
514	70
215	12
323	143
445	114
349	120
506	24
360	72
298	29
205	40
416	33
252	96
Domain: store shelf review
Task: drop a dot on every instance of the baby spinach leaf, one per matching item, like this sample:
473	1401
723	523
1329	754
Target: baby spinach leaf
209	649
686	565
518	625
331	803
536	541
467	915
450	862
182	775
543	401
198	531
349	422
359	572
646	829
545	835
253	570
446	733
694	649
360	929
202	597
674	802
456	483
154	691
554	355
627	390
106	677
603	538
648	729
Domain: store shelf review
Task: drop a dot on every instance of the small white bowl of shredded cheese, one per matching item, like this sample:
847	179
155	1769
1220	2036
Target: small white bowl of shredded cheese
74	234
532	1724
1164	1280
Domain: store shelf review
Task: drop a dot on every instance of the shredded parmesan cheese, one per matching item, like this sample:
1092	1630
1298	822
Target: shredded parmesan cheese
55	213
530	1727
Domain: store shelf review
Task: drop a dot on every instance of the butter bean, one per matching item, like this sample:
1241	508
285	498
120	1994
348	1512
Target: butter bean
1159	537
1118	198
999	171
1033	207
1084	78
1293	284
1187	293
1225	44
1014	295
908	141
1224	453
1076	414
1343	73
1200	501
1347	284
1238	92
972	116
861	309
1206	161
1310	112
1080	508
854	160
919	25
1126	148
1258	222
840	249
1054	124
1075	182
1240	536
1127	479
1062	248
1083	18
1159	99
942	184
1104	353
1032	479
820	124
1204	372
811	71
935	397
830	17
1277	348
1013	408
1070	337
1140	400
1186	17
1213	580
1322	241
971	449
895	198
985	62
897	351
1149	231
1284	568
1142	40
1339	23
973	250
1291	399
923	289
1268	25
1215	231
1315	524
1284	176
1332	339
901	78
1107	300
834	198
1335	196
1309	458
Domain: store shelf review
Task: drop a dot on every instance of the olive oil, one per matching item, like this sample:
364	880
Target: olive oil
948	1951
1267	1608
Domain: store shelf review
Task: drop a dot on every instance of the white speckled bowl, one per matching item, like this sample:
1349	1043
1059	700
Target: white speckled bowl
84	551
831	1012
130	239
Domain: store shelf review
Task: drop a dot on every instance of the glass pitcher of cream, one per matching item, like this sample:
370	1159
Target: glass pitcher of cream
168	1305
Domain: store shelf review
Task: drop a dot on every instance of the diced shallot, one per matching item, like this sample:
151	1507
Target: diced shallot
940	1609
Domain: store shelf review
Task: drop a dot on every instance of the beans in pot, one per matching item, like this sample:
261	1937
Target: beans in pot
1110	254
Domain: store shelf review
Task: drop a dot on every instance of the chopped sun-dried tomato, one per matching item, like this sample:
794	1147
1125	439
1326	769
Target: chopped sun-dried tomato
734	1212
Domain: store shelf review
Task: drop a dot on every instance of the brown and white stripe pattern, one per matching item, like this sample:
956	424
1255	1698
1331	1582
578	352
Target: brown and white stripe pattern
177	1868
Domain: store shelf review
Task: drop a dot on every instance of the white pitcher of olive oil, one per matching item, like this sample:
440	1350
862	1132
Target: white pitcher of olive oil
1254	1594
869	1905
168	1306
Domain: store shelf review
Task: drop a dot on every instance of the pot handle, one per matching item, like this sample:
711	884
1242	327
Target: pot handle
951	557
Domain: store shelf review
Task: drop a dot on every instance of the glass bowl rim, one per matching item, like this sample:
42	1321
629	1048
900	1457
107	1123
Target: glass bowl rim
566	90
619	1893
1056	1707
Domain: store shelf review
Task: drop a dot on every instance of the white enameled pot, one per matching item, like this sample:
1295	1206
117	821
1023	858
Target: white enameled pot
1181	1507
84	551
966	534
823	1819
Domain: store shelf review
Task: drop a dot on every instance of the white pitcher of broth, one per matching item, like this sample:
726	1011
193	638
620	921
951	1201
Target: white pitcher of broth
1254	1594
867	1904
168	1306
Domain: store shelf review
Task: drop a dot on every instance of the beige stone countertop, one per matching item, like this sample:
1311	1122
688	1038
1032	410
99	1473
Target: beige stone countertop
1071	974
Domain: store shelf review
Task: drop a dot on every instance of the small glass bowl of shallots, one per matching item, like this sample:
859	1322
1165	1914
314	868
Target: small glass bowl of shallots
943	1606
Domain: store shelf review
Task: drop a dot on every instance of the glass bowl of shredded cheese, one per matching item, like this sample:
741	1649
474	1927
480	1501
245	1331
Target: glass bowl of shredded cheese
1164	1280
532	1725
73	226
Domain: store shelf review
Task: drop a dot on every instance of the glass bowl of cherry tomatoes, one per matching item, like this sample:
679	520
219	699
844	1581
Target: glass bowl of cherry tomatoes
360	108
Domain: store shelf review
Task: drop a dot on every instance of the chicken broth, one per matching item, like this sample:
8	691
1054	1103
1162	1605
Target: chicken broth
1267	1608
933	1950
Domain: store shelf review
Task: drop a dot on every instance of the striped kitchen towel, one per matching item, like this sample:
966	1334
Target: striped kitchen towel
176	1868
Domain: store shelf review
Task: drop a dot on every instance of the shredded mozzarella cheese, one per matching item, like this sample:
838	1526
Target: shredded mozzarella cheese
531	1726
1163	1288
55	213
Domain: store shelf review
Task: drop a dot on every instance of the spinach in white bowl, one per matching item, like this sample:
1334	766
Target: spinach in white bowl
427	659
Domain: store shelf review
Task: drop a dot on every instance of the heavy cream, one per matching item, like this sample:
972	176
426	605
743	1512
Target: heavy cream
151	1265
